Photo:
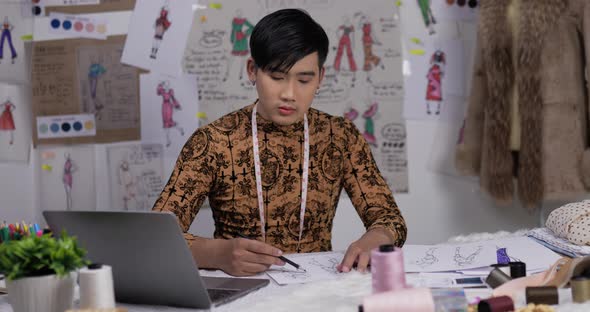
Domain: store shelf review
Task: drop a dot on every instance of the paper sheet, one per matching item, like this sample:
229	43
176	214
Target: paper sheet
15	123
319	266
438	258
136	176
66	177
14	54
106	88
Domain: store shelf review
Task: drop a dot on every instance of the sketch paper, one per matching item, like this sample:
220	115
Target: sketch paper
76	76
15	123
319	266
66	177
14	53
135	175
157	36
169	108
435	81
363	79
438	258
98	6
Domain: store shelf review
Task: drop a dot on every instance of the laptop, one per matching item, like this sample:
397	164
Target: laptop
150	259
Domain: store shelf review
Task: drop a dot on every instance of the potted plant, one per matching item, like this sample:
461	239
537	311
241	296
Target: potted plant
40	272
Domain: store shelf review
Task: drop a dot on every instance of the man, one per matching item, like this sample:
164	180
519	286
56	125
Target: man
258	163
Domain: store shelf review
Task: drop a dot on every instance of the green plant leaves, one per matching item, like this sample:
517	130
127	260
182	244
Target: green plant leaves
36	256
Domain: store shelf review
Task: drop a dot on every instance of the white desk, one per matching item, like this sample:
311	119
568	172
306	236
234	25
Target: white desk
343	294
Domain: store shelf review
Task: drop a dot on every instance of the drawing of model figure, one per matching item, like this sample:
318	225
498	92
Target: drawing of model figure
161	26
94	72
429	20
371	60
369	133
169	104
7	35
127	181
434	77
68	179
346	34
6	119
241	29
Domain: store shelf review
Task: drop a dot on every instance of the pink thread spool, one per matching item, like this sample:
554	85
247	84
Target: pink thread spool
406	300
387	269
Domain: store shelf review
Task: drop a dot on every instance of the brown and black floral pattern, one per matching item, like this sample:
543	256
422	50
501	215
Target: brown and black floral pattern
217	162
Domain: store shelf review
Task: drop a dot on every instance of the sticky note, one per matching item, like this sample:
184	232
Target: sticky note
416	40
215	5
398	2
28	37
201	115
46	167
48	155
417	52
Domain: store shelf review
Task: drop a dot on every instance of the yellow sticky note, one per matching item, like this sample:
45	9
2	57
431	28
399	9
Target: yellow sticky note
416	40
215	5
417	52
46	167
28	37
203	18
201	115
398	2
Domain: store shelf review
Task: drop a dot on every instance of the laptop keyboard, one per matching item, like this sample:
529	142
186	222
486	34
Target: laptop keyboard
217	294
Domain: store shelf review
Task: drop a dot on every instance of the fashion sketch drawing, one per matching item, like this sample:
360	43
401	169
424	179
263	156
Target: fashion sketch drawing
7	120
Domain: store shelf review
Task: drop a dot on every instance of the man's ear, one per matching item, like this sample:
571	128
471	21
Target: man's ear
252	69
322	73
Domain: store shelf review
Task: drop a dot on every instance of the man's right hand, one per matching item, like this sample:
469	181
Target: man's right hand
243	257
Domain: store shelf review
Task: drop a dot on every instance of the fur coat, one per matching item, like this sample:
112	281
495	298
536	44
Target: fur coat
549	71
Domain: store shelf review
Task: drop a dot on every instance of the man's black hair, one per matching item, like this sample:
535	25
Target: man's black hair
284	37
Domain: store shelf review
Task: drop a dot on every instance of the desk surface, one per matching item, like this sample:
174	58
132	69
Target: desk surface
343	294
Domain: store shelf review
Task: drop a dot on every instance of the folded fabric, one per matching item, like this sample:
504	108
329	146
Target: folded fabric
572	222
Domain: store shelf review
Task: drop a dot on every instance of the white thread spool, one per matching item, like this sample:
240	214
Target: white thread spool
96	287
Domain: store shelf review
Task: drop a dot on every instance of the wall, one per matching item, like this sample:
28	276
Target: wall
437	207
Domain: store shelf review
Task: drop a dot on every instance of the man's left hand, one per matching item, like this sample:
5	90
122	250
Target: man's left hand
359	252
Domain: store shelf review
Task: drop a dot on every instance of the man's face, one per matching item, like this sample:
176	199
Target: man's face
284	97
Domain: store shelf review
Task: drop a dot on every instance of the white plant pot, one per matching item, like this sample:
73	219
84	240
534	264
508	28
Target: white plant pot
48	293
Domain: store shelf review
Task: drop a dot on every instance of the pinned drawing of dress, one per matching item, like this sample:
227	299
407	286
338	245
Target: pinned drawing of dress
7	120
169	104
161	26
427	16
7	36
369	133
68	179
434	92
241	29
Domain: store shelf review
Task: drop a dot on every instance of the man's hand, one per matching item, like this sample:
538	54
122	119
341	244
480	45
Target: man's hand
359	252
242	257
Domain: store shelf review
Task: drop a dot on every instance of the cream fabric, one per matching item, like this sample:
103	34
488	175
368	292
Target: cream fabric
572	222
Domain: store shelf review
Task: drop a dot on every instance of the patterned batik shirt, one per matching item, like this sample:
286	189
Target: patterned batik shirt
217	162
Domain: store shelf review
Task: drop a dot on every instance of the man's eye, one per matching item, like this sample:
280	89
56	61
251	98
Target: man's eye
304	81
276	78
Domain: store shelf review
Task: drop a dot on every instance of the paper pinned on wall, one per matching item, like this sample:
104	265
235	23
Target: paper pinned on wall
77	26
157	35
15	123
136	176
14	51
169	113
69	185
436	81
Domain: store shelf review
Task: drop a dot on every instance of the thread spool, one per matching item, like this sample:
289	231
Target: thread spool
407	300
517	269
96	287
496	304
387	269
580	289
497	277
542	295
504	267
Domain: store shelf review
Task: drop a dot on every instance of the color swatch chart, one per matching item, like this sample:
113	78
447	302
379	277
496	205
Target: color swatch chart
65	126
77	26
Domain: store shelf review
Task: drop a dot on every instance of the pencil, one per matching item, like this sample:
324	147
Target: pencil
297	266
